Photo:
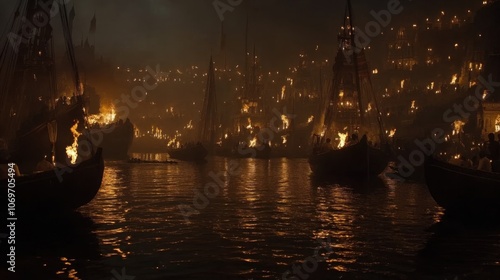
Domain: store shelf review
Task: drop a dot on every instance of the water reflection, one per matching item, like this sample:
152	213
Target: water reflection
455	247
266	217
55	246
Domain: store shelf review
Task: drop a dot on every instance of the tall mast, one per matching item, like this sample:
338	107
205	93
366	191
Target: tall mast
246	60
355	61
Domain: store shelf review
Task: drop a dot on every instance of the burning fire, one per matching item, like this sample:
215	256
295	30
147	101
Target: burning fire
283	92
458	127
72	151
497	124
342	139
283	139
310	119
103	118
249	126
286	121
454	79
253	142
392	132
189	125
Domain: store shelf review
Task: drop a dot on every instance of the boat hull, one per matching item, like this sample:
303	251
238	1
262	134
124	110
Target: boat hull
463	191
116	140
357	161
58	191
196	153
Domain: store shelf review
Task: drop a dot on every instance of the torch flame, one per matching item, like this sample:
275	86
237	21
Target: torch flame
286	121
458	127
392	132
72	151
342	138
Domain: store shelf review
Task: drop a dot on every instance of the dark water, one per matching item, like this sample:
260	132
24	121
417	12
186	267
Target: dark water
267	219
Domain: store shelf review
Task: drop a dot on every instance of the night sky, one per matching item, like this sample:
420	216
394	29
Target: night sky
184	32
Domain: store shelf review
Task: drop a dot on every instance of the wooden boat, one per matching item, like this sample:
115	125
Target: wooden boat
348	111
191	153
57	190
41	124
356	161
461	190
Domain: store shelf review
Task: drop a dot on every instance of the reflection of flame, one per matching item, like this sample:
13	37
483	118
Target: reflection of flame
310	119
286	121
369	107
402	83
225	136
342	138
253	142
283	92
72	151
284	140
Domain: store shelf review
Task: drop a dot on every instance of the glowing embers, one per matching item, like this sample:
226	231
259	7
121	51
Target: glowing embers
72	151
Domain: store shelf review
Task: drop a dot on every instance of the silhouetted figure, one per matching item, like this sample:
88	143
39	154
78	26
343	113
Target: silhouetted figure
484	162
494	152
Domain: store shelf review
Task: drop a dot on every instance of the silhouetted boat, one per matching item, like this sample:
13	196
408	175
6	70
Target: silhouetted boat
40	125
463	191
208	125
117	139
348	111
191	153
357	161
58	190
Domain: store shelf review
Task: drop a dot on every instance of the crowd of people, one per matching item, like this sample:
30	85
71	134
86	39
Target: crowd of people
488	158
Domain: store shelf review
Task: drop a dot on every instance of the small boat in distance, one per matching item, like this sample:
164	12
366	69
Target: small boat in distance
357	161
463	191
191	152
208	126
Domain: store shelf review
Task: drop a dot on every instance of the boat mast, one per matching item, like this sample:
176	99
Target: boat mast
355	61
209	112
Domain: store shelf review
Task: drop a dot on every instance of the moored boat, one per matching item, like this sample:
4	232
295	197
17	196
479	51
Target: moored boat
189	153
463	191
357	161
351	109
57	190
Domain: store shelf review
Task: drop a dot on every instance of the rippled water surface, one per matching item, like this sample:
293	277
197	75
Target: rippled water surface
267	220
